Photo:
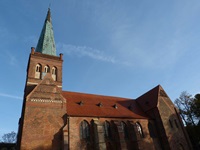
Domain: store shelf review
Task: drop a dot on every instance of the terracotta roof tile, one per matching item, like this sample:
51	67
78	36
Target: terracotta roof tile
80	104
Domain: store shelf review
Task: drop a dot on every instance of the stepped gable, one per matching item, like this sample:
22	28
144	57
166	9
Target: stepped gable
90	105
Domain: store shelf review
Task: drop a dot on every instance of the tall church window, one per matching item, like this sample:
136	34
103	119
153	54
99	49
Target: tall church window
54	73
107	129
125	130
139	129
84	130
38	69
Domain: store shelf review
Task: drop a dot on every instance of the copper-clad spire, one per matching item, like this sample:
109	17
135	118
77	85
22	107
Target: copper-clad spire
46	43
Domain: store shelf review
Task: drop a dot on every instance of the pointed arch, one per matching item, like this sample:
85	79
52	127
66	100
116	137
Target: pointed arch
84	130
38	70
139	129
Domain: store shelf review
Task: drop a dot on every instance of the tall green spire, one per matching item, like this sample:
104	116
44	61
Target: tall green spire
46	43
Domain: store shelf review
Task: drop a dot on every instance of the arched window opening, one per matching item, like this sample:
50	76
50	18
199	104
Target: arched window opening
125	130
139	129
38	69
107	129
54	73
84	130
46	69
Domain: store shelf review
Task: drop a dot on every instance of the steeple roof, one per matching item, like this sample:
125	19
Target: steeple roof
46	43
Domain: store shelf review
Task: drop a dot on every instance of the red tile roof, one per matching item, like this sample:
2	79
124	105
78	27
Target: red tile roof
80	104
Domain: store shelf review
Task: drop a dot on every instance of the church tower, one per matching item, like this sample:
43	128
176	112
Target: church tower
43	59
44	107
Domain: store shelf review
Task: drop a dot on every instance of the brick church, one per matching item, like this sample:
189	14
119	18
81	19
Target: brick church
54	119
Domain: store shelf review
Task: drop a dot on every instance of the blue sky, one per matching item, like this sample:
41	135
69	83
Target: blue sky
111	47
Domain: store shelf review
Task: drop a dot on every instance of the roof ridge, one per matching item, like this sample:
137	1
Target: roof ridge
89	94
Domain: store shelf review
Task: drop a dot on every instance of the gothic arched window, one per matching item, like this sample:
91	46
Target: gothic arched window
139	129
54	73
85	130
125	130
38	69
107	129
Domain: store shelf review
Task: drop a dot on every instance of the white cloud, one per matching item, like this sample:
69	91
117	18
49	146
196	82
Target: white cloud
137	38
10	96
84	51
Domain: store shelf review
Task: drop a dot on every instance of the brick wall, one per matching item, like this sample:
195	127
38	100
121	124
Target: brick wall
117	141
43	117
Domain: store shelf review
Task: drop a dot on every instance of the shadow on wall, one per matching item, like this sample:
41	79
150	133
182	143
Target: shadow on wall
178	137
57	142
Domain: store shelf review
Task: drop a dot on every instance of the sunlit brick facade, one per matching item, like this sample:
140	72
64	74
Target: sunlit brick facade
54	119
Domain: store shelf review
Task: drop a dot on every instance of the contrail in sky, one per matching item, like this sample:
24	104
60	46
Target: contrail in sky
10	96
